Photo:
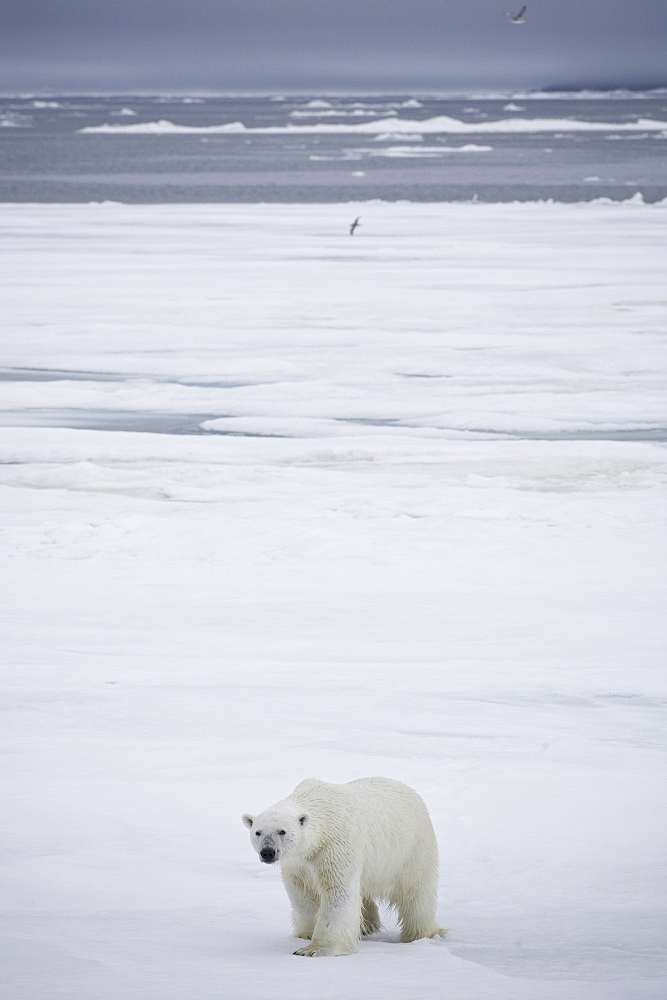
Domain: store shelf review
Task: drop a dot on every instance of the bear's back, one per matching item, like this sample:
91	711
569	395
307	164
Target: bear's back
385	797
378	801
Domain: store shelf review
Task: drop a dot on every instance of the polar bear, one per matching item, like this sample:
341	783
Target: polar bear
341	848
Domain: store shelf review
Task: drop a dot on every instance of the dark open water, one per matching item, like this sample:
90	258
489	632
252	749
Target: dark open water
45	158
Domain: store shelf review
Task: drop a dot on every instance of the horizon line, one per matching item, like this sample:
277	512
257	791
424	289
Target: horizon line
453	93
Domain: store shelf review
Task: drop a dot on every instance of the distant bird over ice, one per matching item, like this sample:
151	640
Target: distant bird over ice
354	225
517	18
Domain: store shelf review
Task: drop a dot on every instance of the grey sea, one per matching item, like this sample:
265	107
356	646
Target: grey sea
138	149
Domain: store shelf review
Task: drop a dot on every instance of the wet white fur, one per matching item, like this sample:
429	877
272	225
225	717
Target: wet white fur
341	848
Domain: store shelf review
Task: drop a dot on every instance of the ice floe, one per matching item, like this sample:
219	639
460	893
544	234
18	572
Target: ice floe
439	124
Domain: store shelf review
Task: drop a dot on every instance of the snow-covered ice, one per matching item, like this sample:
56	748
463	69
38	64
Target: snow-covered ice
438	124
391	504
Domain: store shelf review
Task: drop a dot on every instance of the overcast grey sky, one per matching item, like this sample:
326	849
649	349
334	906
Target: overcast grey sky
397	45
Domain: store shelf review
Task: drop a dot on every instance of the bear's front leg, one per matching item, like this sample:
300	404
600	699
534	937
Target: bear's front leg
304	905
338	923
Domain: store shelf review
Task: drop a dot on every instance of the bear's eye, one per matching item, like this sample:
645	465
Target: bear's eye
281	833
258	833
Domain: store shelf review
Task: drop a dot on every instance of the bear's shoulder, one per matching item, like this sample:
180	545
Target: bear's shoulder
313	793
314	788
309	786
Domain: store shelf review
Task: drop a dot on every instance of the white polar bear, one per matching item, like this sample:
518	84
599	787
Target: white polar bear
341	848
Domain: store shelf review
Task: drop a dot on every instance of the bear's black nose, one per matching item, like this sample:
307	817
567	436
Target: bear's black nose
267	854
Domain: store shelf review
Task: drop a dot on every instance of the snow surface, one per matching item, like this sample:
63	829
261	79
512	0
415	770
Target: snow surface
423	537
439	124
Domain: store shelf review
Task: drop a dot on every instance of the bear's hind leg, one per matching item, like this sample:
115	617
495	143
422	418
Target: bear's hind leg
370	918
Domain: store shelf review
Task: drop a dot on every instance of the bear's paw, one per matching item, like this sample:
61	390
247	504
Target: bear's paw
322	951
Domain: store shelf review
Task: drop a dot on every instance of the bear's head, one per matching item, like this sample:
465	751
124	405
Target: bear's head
276	833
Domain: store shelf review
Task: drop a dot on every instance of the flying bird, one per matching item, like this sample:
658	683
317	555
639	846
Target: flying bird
354	225
517	18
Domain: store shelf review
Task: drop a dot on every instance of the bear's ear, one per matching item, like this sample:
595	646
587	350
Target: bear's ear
248	820
303	819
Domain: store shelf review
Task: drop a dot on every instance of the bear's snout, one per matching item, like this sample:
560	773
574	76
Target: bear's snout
268	855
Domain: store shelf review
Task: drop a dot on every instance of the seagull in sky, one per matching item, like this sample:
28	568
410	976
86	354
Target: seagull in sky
354	225
517	18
